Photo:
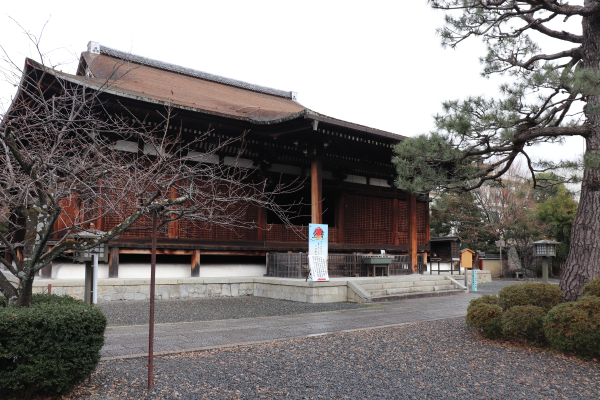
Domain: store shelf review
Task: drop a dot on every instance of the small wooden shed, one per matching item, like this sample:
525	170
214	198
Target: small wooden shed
445	248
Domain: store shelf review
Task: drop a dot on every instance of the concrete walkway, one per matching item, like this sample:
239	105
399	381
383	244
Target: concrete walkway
132	341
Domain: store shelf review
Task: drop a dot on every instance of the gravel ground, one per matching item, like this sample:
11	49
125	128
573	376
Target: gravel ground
167	311
422	360
210	309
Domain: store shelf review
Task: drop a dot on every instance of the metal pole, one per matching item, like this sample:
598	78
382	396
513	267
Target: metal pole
95	278
152	285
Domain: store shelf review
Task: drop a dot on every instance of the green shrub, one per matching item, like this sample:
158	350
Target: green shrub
487	318
592	288
526	322
50	346
2	301
44	298
485	299
575	326
544	295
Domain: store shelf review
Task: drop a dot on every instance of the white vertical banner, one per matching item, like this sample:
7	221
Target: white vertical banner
318	252
318	237
318	268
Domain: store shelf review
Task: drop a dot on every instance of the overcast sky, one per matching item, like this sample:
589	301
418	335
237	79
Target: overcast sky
376	63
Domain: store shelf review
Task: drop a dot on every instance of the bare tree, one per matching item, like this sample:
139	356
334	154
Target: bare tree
60	171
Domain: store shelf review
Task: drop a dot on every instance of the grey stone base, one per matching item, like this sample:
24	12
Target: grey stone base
337	290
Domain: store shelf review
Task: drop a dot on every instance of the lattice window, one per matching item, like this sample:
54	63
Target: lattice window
403	217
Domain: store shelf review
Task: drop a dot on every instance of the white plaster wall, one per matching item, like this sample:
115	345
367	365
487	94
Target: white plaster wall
75	271
231	270
163	270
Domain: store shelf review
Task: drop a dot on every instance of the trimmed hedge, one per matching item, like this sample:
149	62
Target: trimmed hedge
592	288
487	318
575	326
544	295
51	346
526	322
485	299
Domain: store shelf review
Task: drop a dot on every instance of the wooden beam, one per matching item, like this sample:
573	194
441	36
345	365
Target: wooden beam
340	207
195	264
46	271
316	190
412	232
175	252
113	262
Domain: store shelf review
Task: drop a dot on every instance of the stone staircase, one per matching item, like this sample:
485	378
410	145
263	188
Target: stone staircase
406	287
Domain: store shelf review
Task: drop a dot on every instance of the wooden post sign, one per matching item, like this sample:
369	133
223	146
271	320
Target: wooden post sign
318	235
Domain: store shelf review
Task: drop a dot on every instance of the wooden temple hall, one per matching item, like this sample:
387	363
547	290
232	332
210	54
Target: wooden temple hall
346	169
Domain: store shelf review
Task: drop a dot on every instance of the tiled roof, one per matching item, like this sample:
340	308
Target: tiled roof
163	86
121	55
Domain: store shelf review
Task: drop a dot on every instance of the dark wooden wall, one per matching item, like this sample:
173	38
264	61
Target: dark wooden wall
362	220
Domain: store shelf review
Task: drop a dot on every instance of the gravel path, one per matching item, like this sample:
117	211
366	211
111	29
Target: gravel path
424	360
210	309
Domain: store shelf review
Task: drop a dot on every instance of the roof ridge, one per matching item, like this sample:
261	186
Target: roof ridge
97	48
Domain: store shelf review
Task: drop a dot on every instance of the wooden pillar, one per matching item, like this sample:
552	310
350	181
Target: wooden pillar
46	272
195	263
412	231
316	190
339	217
395	239
427	226
113	262
8	256
173	230
88	281
262	224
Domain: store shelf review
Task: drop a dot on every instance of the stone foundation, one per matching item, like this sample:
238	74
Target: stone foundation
193	288
337	290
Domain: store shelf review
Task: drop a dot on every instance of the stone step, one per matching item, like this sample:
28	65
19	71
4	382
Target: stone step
445	287
378	292
411	289
416	295
432	282
401	284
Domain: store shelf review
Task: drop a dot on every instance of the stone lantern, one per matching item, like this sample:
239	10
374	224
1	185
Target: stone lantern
544	248
91	257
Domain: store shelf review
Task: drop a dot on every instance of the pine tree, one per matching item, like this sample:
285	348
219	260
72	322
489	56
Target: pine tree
478	139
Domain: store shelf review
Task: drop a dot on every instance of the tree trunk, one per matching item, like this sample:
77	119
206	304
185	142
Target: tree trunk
26	274
583	262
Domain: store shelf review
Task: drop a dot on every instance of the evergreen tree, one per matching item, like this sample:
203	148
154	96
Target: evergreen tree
478	139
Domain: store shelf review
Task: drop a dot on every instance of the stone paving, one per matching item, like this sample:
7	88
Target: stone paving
132	341
128	341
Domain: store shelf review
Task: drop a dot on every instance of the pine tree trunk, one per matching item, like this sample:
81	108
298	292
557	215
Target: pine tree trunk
583	262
